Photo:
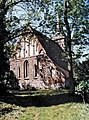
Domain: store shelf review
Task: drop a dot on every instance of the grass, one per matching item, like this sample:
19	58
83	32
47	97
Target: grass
40	92
68	111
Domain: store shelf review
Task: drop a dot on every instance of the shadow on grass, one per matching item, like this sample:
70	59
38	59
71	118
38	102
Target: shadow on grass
5	110
41	100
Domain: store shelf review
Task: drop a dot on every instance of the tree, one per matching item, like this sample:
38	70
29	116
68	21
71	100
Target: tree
73	22
82	73
73	19
41	14
3	37
71	80
6	34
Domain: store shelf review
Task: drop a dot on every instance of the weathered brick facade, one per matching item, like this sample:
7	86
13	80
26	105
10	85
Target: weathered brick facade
33	67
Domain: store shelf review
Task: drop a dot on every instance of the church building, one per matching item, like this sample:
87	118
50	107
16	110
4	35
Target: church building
35	65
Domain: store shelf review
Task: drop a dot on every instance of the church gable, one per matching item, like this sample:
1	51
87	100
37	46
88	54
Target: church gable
27	47
33	67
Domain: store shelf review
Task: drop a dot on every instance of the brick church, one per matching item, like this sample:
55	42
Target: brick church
37	61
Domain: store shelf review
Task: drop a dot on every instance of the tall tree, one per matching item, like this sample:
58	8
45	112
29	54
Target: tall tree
3	37
41	14
6	34
73	21
70	67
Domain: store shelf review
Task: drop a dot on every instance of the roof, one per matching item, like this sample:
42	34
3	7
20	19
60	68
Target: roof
54	51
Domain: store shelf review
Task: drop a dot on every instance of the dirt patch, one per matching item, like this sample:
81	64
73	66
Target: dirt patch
36	117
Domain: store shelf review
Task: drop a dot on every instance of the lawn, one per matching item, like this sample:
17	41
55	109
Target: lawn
67	111
55	106
38	92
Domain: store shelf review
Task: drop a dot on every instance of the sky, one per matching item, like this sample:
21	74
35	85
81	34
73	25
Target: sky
21	12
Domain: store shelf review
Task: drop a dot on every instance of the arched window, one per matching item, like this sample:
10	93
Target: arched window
26	66
18	72
35	70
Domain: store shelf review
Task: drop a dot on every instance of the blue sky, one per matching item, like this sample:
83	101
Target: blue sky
22	13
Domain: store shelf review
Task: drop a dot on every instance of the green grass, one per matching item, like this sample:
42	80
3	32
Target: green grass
48	92
41	92
68	111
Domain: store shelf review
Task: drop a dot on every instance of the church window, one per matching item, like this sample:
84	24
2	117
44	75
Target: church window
33	50
18	72
36	46
35	70
26	65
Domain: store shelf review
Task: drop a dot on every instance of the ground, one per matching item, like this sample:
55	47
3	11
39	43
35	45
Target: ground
67	110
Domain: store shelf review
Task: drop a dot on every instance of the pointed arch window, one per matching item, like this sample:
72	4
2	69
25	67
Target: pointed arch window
35	70
18	72
26	66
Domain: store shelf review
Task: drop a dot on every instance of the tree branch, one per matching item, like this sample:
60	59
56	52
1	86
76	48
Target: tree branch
11	4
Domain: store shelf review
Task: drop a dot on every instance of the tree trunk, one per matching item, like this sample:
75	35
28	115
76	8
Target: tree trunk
70	67
3	36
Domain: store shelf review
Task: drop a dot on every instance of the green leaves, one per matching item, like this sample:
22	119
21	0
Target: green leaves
82	70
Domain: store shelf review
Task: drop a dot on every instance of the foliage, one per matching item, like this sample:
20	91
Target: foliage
73	24
9	29
83	89
41	14
46	11
83	76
